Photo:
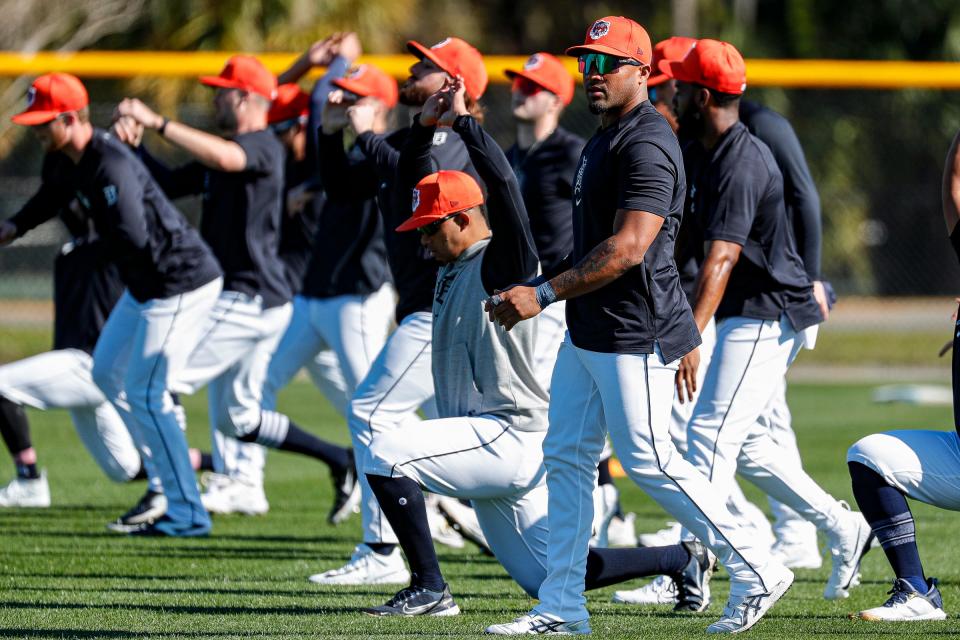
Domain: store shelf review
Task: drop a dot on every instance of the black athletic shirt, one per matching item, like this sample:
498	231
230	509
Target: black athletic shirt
414	269
241	214
634	164
297	230
545	173
349	256
736	195
156	252
86	286
799	191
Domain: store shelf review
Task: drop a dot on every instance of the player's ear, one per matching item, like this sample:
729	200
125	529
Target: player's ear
702	97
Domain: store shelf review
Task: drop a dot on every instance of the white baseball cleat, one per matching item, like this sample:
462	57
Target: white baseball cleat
664	537
534	623
226	495
848	545
622	532
799	555
906	604
661	590
26	492
742	612
367	567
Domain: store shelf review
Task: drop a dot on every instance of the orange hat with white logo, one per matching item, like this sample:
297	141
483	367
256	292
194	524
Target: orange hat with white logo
441	194
672	49
292	102
457	58
616	36
369	81
49	96
245	73
713	64
548	72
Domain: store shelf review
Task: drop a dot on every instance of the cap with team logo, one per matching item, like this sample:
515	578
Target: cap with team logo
245	73
457	58
673	49
49	96
548	72
713	64
616	36
369	81
291	103
441	194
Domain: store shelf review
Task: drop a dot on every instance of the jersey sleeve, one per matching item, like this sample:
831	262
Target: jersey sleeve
260	157
739	194
119	195
646	178
382	155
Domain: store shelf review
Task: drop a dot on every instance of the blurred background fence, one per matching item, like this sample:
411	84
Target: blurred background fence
876	154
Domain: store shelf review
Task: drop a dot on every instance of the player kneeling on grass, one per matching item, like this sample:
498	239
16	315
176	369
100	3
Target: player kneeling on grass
486	447
887	468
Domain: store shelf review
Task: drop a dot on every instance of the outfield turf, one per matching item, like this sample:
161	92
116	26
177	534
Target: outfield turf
63	575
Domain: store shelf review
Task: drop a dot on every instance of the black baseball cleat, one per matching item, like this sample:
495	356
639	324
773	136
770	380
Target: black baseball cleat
693	583
149	508
418	601
346	491
165	527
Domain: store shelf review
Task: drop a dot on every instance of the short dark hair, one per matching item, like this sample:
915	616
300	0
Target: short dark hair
723	99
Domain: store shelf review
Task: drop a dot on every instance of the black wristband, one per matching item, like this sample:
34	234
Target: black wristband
163	126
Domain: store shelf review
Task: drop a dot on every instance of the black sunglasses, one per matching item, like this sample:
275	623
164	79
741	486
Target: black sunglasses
603	63
433	227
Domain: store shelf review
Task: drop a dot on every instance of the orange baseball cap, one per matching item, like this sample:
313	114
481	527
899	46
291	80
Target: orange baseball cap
713	64
369	81
673	49
49	96
291	102
247	74
457	58
548	72
441	194
617	36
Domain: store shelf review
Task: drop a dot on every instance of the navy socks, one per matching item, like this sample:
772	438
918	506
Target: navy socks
613	566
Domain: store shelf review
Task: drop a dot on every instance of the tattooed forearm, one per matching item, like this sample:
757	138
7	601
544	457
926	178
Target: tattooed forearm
604	264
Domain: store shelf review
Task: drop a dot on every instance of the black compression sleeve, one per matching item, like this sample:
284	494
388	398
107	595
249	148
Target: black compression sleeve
14	426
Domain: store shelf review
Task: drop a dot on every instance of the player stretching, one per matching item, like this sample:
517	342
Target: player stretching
629	324
171	277
887	468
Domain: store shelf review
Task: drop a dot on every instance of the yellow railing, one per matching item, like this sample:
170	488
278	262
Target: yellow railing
852	74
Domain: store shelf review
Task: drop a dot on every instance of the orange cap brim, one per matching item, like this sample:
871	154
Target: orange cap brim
415	222
511	73
422	52
31	118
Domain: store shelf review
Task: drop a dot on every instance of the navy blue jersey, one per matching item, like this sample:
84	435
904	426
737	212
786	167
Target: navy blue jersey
241	214
736	195
634	164
349	256
414	269
156	252
545	173
86	286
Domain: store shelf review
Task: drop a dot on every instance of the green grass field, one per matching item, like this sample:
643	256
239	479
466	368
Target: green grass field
63	575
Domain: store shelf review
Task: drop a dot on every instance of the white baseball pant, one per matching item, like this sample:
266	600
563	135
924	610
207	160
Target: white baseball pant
232	357
631	395
398	383
483	460
726	435
550	333
143	346
923	465
62	380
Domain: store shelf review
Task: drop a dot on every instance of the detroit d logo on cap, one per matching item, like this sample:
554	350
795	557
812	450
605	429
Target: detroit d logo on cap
416	199
533	62
599	29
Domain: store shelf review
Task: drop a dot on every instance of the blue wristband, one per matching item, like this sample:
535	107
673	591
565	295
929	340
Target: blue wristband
545	294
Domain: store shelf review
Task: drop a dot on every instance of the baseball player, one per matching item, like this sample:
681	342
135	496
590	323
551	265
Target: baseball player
887	468
491	403
400	380
628	325
172	282
753	281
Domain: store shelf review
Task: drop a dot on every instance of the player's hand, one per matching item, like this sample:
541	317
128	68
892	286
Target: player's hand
362	116
334	117
433	108
349	46
820	295
8	232
512	305
686	378
321	52
138	111
128	131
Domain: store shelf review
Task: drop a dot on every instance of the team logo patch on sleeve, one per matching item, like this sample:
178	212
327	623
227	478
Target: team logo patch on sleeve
599	29
416	199
439	138
110	194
